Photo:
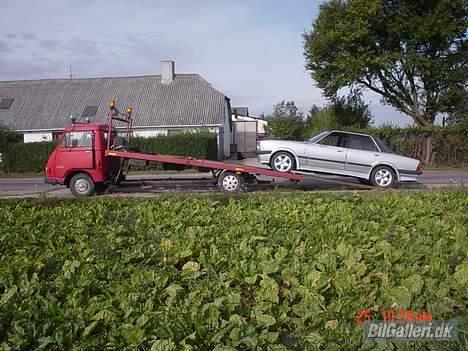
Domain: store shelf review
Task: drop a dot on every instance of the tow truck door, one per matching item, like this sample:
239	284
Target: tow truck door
75	151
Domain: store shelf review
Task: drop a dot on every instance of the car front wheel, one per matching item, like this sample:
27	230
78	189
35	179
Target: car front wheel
282	162
383	177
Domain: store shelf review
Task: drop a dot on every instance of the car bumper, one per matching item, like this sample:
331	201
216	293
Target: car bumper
263	156
409	176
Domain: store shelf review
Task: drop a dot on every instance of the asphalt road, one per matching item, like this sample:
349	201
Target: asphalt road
202	182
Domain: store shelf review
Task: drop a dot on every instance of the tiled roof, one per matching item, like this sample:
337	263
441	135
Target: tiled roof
47	104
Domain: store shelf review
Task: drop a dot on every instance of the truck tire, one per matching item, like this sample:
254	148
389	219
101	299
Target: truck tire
231	182
82	185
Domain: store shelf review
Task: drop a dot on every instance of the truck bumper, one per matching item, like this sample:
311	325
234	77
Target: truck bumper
51	181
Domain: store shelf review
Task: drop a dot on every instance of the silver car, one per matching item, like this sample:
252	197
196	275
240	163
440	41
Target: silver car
342	153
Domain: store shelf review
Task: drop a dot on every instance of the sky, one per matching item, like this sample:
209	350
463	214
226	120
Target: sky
250	50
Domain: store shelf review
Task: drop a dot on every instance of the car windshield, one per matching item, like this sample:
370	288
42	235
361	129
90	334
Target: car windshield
317	137
382	146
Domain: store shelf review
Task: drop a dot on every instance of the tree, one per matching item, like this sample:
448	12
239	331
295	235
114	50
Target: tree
342	113
413	53
286	122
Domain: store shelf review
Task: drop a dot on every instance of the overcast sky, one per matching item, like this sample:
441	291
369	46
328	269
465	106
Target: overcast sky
251	50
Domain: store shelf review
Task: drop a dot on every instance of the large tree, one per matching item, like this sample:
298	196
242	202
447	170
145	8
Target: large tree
413	53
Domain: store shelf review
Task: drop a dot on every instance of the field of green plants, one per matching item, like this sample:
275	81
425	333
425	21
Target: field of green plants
255	272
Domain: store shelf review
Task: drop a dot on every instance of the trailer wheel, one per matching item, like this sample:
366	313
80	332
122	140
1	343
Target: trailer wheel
82	185
231	182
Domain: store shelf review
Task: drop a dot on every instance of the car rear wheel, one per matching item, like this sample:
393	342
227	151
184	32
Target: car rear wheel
82	185
383	177
283	162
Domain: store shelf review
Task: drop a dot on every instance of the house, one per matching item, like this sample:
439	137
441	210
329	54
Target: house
246	130
162	104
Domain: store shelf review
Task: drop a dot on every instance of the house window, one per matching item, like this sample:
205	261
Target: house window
6	103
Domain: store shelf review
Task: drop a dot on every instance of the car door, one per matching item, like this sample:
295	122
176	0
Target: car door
328	154
361	155
74	152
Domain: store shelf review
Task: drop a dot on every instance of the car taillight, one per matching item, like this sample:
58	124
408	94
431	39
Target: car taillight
419	166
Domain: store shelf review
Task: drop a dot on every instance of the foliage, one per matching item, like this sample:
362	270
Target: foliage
286	122
413	53
7	137
344	112
200	144
27	157
262	272
449	145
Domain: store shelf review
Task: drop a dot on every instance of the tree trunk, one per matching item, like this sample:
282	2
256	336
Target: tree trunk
428	150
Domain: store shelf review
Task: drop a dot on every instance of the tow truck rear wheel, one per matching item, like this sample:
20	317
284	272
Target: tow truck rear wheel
231	182
82	185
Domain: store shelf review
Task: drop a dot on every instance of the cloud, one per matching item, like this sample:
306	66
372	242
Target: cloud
4	46
27	36
49	44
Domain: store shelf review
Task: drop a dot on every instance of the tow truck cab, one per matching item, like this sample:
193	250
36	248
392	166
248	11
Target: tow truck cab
80	157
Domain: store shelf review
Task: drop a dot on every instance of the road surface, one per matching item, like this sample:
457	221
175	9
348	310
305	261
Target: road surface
202	182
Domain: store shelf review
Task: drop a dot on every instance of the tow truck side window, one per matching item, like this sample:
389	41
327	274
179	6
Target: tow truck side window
77	139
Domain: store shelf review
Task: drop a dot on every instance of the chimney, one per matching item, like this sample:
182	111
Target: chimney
167	72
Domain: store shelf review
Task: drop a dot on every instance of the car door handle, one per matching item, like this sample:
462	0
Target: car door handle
339	150
376	155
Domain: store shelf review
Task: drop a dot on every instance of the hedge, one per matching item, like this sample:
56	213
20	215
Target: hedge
32	157
28	157
448	146
200	144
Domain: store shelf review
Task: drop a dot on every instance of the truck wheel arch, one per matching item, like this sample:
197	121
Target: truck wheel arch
71	174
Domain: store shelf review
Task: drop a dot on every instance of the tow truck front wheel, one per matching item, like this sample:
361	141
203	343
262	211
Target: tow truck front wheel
82	185
231	182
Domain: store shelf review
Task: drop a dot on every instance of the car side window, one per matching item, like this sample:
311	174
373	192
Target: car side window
77	139
334	139
361	142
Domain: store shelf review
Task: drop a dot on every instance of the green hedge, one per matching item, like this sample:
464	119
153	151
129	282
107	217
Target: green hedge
201	144
449	145
7	137
29	157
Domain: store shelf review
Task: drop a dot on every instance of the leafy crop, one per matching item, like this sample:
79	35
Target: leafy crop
265	272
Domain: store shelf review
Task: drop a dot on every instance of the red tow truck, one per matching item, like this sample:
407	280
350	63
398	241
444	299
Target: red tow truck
90	157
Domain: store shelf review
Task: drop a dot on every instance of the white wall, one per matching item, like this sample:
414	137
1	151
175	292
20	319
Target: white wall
37	136
149	133
260	122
